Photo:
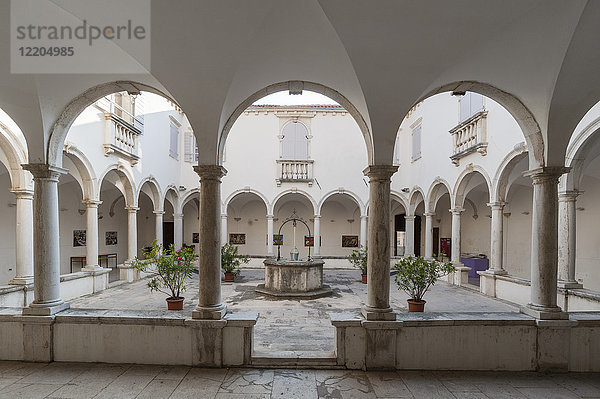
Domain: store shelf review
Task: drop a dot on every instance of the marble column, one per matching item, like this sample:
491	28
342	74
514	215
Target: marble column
363	230
178	230
567	239
410	235
24	238
209	268
455	255
158	226
497	238
46	241
131	232
270	252
544	244
429	234
378	252
317	236
91	236
224	236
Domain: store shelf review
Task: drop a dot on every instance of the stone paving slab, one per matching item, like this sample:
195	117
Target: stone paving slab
77	380
294	325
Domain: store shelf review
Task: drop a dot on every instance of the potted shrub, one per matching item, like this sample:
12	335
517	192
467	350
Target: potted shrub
416	275
170	267
231	260
358	258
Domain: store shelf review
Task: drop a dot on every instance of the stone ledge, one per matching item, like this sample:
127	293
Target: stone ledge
7	289
241	319
513	279
75	276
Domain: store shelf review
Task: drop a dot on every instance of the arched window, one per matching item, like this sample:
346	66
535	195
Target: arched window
295	141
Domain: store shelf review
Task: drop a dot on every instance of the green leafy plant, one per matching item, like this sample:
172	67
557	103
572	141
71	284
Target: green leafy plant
171	268
358	258
231	260
415	275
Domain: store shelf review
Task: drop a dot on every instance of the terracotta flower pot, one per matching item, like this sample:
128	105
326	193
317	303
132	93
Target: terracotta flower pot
175	303
414	306
364	279
229	277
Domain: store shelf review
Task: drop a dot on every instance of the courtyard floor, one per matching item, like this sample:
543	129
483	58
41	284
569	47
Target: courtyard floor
73	380
295	328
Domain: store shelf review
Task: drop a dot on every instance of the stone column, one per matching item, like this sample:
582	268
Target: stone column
46	241
91	236
410	235
487	280
131	232
429	234
378	253
317	236
363	230
209	268
224	237
270	236
567	239
544	244
24	238
158	226
455	255
178	230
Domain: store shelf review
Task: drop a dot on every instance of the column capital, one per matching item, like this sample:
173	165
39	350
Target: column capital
456	211
44	171
429	214
158	213
132	209
498	205
380	172
210	172
178	216
21	193
546	174
223	216
271	217
364	217
317	217
91	203
569	196
409	217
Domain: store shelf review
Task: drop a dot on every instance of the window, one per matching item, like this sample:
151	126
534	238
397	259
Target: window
190	147
416	142
470	104
295	141
174	144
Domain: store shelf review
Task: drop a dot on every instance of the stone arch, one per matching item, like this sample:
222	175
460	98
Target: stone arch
87	175
303	193
501	183
297	85
125	184
242	191
15	157
60	127
523	116
396	196
172	195
188	197
459	193
414	200
153	192
356	198
579	153
433	194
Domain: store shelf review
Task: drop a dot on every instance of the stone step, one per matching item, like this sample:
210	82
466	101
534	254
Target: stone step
295	359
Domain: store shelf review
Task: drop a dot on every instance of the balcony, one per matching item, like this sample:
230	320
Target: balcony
290	171
470	136
121	130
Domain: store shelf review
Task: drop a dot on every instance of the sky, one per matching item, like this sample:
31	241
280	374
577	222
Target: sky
306	98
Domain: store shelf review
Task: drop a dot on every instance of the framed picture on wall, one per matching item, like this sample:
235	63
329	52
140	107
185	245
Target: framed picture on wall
79	238
350	241
277	239
445	246
111	238
309	241
237	238
195	238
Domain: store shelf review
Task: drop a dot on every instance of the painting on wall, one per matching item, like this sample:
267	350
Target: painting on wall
277	239
195	238
237	238
350	241
309	241
111	238
79	238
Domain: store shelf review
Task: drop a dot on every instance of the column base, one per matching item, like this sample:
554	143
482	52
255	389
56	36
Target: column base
36	309
460	276
569	285
544	313
21	281
377	314
210	312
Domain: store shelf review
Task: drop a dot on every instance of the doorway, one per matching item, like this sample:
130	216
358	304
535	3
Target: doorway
168	234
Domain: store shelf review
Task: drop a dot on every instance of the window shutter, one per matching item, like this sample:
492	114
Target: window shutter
188	146
295	141
416	142
173	150
465	106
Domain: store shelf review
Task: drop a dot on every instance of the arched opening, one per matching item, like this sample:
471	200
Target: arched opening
247	224
191	220
8	215
440	205
284	207
340	225
172	221
398	227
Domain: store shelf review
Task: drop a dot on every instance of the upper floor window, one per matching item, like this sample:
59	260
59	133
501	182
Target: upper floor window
416	142
470	104
190	147
174	140
294	141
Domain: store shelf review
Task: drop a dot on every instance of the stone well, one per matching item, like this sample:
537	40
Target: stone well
287	279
